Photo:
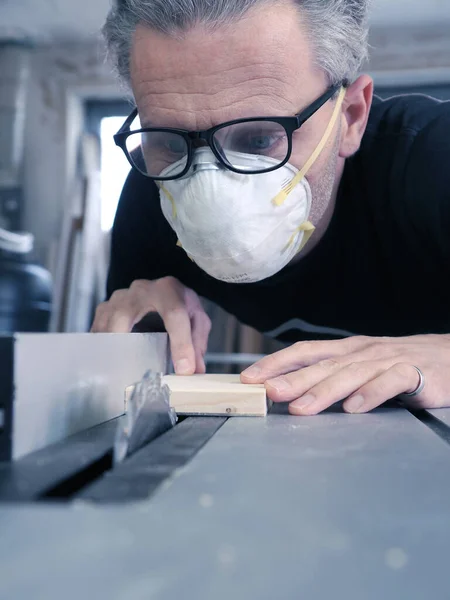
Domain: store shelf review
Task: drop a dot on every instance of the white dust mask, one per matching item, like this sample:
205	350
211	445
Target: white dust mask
240	228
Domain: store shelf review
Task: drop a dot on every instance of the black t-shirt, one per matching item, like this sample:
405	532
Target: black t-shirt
383	265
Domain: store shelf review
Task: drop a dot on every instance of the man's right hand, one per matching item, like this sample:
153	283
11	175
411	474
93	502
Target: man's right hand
179	307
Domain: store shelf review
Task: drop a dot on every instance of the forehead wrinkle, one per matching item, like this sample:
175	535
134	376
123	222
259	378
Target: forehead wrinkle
266	87
263	79
192	80
256	91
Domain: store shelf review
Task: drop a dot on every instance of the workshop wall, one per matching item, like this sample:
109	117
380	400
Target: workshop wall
415	48
57	72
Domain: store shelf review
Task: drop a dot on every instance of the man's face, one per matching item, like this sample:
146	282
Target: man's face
262	65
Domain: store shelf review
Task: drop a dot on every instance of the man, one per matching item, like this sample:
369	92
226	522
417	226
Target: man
318	211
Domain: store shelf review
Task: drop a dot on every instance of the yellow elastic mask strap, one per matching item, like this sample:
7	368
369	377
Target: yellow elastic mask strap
287	189
172	201
308	228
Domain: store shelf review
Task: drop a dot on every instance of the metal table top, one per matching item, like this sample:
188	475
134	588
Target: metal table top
333	506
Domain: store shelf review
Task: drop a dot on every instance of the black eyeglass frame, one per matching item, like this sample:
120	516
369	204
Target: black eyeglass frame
290	124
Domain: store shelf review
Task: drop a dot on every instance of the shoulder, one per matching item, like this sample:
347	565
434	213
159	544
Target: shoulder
405	115
407	140
414	131
404	161
412	134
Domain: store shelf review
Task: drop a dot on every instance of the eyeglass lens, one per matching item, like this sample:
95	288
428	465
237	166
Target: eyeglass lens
153	152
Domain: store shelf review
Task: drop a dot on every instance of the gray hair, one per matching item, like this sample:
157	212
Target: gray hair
338	29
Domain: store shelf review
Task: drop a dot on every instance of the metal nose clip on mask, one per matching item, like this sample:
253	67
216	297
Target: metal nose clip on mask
241	228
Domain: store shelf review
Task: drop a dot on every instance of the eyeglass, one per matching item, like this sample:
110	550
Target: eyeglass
151	151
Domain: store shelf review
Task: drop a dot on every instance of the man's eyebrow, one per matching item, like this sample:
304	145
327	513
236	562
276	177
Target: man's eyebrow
148	123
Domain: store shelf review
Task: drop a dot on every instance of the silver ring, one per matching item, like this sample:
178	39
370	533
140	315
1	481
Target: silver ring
419	387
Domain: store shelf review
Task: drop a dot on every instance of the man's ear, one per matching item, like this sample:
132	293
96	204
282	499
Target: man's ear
355	114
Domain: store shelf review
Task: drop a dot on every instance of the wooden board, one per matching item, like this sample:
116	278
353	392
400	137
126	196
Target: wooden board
212	394
216	395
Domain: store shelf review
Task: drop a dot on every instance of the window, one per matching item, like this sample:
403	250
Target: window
114	170
103	119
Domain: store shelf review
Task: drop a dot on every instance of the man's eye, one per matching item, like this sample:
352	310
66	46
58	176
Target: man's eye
176	146
262	142
164	143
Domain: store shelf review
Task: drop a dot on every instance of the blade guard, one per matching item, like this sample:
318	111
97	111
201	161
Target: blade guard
148	416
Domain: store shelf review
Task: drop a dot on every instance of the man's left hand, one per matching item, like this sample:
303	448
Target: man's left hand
363	371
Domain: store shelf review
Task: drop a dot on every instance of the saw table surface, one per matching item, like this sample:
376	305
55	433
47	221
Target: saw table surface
333	506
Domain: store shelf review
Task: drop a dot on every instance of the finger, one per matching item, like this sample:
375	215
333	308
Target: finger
201	327
398	379
167	296
105	311
291	386
124	317
178	325
124	309
200	366
301	354
338	386
100	318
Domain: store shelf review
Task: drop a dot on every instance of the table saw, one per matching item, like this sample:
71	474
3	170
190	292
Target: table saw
216	507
